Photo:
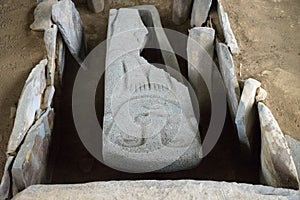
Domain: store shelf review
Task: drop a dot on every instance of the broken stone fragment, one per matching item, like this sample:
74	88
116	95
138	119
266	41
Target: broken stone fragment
200	49
227	31
42	16
149	123
50	36
29	103
5	186
61	58
246	117
96	5
295	152
226	65
152	189
30	163
277	166
48	96
181	11
200	12
261	95
69	23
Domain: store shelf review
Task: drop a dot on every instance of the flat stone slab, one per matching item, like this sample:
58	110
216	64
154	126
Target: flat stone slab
200	12
29	103
96	5
277	166
181	189
229	77
227	31
42	16
69	23
295	152
31	161
149	123
181	11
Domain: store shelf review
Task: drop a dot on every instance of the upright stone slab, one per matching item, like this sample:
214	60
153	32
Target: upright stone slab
181	11
149	124
227	31
42	16
30	163
151	18
48	97
69	23
200	49
295	152
151	189
60	58
246	117
96	5
200	12
5	186
29	103
277	166
228	73
50	36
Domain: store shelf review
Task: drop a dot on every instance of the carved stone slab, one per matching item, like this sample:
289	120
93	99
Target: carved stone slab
149	124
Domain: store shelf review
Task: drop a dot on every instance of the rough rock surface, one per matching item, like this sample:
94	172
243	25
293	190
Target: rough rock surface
246	116
184	189
230	80
149	123
181	11
69	23
96	5
295	151
277	166
29	103
227	31
261	95
42	16
50	36
200	12
30	163
60	57
6	180
48	96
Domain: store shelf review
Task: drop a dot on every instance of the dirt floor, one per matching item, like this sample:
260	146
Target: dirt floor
267	32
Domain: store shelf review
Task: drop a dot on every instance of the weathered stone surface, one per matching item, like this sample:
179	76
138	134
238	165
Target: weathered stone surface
295	152
227	31
277	166
151	18
42	16
50	36
96	5
181	11
48	96
200	50
29	103
61	58
200	12
6	181
183	189
30	163
246	116
149	123
228	73
261	95
69	23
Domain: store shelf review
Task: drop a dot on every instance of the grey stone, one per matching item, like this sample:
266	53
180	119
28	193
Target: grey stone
61	58
246	116
48	96
50	36
227	31
181	11
261	95
277	166
30	163
200	12
226	65
6	180
180	189
295	152
29	103
151	18
96	5
148	124
200	50
42	16
69	23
